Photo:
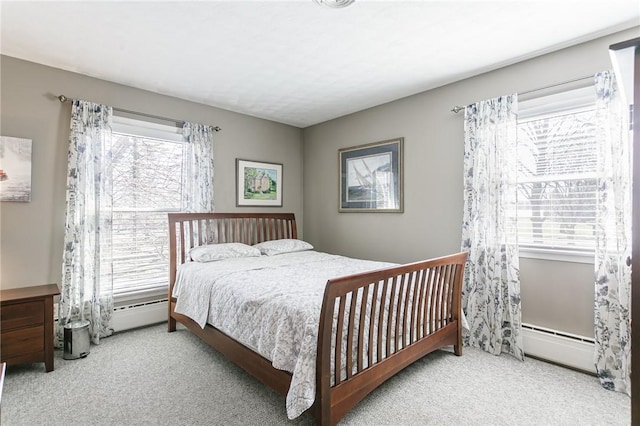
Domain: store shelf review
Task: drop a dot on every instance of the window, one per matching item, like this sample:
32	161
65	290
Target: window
147	174
557	154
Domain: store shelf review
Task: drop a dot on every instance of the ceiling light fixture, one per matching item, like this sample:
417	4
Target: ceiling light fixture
335	4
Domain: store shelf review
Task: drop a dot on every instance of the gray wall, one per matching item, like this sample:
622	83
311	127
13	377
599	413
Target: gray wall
31	234
554	294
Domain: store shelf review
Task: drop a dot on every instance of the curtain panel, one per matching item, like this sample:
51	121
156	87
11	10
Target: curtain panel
491	290
197	168
612	317
87	285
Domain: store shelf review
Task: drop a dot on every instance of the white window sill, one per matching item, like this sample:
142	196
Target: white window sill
557	255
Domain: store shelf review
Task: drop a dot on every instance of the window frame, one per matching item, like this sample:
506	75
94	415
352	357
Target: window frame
567	101
151	130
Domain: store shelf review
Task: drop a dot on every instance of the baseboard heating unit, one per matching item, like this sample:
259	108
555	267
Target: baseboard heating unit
559	347
139	314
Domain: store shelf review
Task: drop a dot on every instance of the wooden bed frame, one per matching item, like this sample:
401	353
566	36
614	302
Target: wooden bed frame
425	297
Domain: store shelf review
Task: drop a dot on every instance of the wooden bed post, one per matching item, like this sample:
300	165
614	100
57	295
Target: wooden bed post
171	321
323	362
457	302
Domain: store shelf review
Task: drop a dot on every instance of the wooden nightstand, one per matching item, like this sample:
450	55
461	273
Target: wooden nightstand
26	325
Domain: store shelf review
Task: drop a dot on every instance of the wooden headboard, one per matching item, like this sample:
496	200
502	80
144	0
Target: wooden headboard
188	230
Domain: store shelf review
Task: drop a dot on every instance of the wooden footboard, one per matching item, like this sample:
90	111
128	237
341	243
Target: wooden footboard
390	318
372	325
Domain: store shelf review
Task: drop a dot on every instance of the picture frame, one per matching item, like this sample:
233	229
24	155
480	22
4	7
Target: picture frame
258	183
15	169
371	177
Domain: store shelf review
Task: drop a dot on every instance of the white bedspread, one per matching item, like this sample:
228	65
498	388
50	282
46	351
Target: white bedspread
288	303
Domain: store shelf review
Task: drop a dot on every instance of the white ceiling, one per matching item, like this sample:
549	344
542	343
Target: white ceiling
293	61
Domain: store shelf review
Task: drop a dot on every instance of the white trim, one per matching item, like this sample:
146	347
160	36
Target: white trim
128	295
568	101
623	66
141	128
563	348
556	255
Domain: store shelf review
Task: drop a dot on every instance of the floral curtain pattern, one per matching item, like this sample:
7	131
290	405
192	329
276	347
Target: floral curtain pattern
87	286
197	168
613	238
491	290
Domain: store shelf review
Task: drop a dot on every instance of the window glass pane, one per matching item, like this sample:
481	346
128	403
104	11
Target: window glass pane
146	173
557	156
140	252
147	176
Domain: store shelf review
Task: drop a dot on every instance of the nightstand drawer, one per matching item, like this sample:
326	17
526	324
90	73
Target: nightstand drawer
21	342
22	314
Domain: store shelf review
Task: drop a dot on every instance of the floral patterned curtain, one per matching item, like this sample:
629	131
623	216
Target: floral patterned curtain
613	238
491	291
87	285
197	168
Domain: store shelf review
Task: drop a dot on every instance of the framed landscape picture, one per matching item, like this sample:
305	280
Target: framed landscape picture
258	183
15	169
371	177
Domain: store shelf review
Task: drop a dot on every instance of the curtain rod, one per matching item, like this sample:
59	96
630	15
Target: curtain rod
180	123
456	109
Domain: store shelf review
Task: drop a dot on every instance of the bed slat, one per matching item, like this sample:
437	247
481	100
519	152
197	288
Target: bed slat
381	316
338	345
407	283
350	330
361	327
372	323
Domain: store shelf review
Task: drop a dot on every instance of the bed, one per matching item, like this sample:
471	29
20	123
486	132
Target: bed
355	330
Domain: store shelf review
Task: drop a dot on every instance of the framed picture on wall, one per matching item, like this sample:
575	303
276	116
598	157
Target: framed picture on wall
15	169
371	177
258	183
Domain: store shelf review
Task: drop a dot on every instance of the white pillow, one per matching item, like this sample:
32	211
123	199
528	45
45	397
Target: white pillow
213	252
273	247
